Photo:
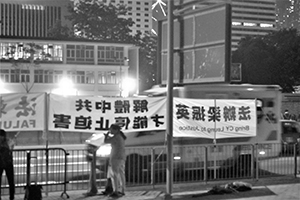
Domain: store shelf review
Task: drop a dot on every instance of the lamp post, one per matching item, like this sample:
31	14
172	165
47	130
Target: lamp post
2	88
121	78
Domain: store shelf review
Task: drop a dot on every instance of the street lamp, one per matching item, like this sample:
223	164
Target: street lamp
66	87
2	88
120	78
127	86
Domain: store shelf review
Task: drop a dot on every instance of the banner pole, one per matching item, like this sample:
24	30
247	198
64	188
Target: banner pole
169	109
47	97
46	118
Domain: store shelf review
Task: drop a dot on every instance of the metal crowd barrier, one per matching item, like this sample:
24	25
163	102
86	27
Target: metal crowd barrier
196	163
46	167
60	170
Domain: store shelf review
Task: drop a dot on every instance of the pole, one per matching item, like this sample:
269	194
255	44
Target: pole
47	100
120	85
169	113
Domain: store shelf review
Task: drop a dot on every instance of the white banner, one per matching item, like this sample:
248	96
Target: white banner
22	112
94	114
214	118
191	117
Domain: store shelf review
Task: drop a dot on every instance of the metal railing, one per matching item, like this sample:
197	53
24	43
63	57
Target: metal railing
41	166
60	170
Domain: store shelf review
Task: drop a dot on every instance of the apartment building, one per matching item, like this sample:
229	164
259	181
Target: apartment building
140	13
95	68
31	18
252	18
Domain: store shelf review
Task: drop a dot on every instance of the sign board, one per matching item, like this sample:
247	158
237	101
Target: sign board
22	112
202	46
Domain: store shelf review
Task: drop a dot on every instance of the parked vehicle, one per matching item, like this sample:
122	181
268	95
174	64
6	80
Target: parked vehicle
214	154
290	135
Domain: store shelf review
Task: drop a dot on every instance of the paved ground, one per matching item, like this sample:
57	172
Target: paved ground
279	188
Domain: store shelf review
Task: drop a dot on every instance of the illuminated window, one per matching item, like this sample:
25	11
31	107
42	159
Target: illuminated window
236	23
4	75
249	24
266	25
107	77
76	76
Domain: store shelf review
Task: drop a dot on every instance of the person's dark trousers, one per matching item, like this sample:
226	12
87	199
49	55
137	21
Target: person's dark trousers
9	171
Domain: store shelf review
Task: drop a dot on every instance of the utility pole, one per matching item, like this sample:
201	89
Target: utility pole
169	113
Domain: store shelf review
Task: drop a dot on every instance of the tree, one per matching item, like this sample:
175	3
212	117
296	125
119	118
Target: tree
271	59
93	19
147	60
58	31
25	57
97	21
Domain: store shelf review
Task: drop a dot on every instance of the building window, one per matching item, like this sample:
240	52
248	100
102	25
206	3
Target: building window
80	54
111	77
19	76
81	77
111	55
39	76
107	78
102	78
16	51
4	75
89	77
76	76
55	52
57	76
47	76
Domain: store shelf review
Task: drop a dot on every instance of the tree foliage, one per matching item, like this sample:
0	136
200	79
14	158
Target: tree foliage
147	60
26	56
93	19
271	59
58	31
